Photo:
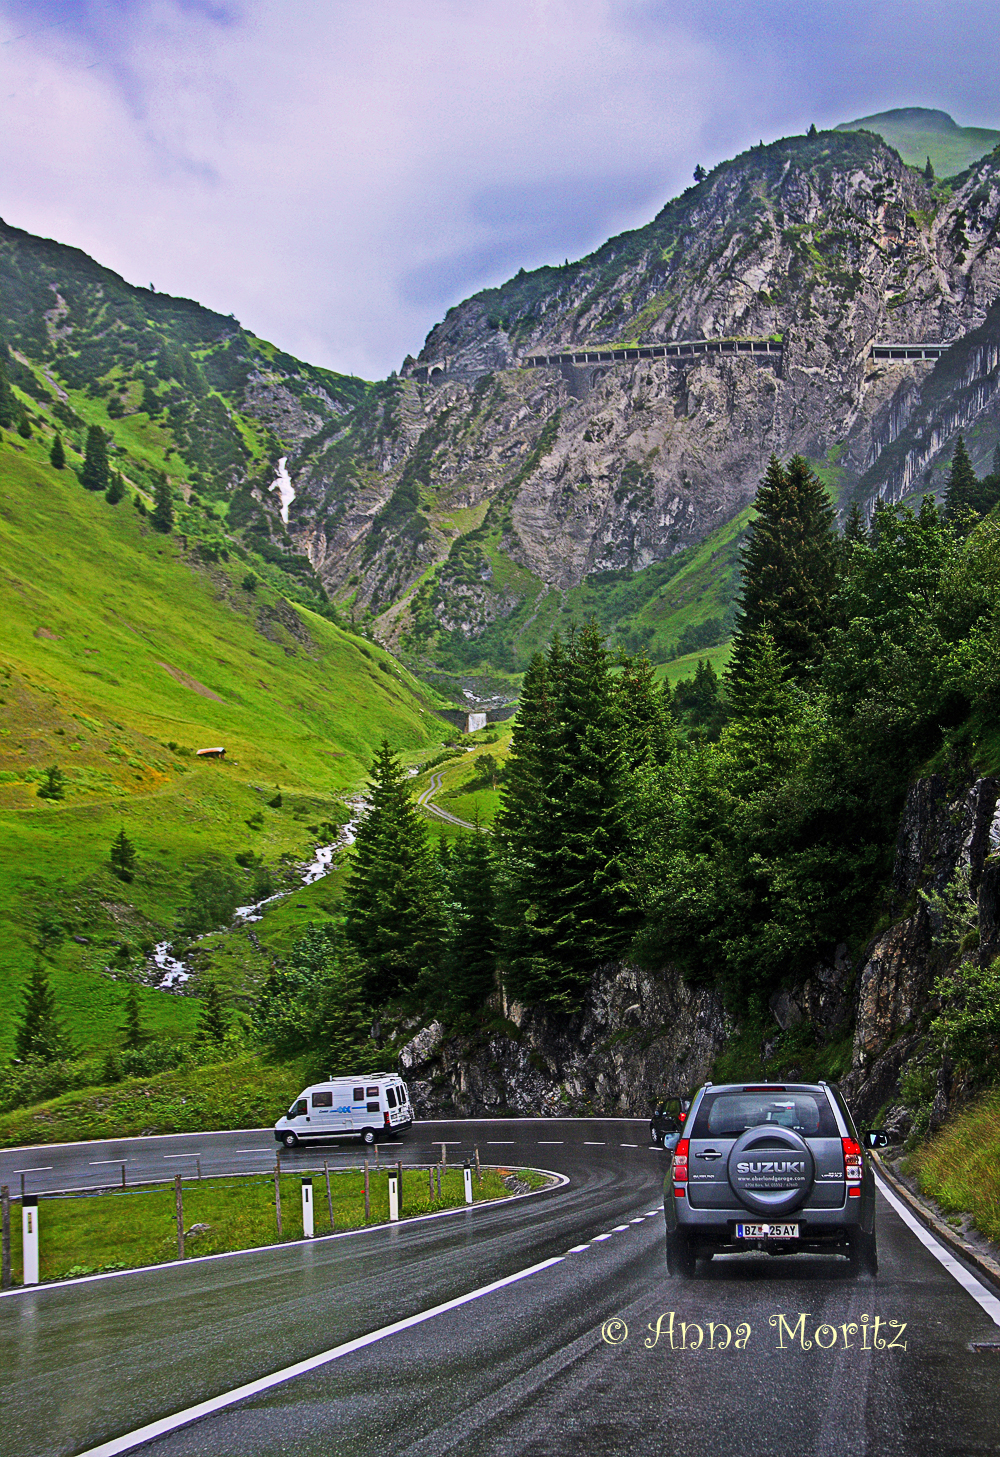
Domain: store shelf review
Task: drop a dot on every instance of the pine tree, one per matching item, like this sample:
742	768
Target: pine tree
963	483
699	173
57	455
790	569
162	517
929	171
213	1024
10	410
116	489
391	898
24	427
134	1036
95	474
812	132
139	504
123	856
38	1032
471	945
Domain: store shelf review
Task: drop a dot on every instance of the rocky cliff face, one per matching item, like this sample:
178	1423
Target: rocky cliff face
557	473
637	1037
642	1035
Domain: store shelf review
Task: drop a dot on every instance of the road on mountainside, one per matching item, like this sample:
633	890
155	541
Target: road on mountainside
562	1358
426	801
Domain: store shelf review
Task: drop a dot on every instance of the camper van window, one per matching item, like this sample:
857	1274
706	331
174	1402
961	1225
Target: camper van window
297	1108
322	1100
371	1092
372	1107
390	1097
358	1095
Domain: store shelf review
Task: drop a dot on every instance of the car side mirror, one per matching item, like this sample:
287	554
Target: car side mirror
876	1138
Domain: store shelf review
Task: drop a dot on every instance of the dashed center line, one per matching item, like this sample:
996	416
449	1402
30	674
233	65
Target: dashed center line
619	1228
628	1145
588	1143
604	1236
550	1143
95	1162
196	1155
36	1169
500	1143
578	1249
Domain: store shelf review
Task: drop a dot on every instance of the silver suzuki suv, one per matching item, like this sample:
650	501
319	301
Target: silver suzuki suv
772	1167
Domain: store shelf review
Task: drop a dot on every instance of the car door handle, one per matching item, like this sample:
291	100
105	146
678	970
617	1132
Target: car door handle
709	1153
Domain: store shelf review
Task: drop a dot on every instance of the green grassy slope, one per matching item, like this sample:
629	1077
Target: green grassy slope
117	643
918	133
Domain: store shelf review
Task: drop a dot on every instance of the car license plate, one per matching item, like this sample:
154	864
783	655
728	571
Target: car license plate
767	1231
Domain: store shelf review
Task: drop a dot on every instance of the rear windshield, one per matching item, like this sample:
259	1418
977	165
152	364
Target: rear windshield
727	1115
390	1097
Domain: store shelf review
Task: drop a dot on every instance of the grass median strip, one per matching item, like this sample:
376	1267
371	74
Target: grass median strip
120	1230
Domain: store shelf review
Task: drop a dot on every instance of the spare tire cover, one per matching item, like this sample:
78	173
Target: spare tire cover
771	1169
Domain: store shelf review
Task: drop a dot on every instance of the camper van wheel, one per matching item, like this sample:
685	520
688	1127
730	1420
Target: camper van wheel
289	1140
368	1135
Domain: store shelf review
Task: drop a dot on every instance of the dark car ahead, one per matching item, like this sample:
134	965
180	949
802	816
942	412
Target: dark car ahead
773	1167
667	1120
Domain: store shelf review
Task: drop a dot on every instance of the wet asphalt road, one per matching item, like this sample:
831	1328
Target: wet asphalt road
521	1370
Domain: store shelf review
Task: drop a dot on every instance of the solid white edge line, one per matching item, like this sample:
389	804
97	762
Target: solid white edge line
968	1281
51	1285
287	1373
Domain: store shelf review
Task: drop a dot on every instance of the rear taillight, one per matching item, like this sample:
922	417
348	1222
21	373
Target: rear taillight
681	1117
385	1117
852	1167
680	1172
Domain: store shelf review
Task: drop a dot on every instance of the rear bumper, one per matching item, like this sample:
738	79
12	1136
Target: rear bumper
716	1228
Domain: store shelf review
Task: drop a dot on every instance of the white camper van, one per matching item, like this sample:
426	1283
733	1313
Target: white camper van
373	1107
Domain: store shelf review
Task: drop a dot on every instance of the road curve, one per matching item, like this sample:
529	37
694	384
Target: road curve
426	801
536	1365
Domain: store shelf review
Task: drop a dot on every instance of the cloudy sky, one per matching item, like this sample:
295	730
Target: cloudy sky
337	173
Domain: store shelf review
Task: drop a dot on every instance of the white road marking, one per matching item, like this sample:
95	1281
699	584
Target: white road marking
500	1142
578	1249
968	1282
252	1150
588	1143
604	1236
194	1154
628	1145
651	1212
95	1162
287	1373
619	1228
38	1169
640	1220
550	1143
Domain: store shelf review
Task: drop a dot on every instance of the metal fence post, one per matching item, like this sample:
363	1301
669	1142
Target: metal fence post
479	1172
123	1176
179	1207
5	1238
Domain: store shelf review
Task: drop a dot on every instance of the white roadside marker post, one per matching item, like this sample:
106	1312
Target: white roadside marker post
393	1196
467	1171
29	1230
307	1208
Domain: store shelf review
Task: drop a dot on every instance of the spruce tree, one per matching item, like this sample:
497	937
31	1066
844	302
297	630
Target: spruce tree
790	570
95	475
116	489
57	455
469	970
24	427
855	528
53	786
134	1036
123	856
929	171
962	488
645	724
213	1023
162	516
567	903
38	1032
812	132
391	898
10	410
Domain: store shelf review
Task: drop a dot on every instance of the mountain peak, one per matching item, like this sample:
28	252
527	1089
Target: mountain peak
919	132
